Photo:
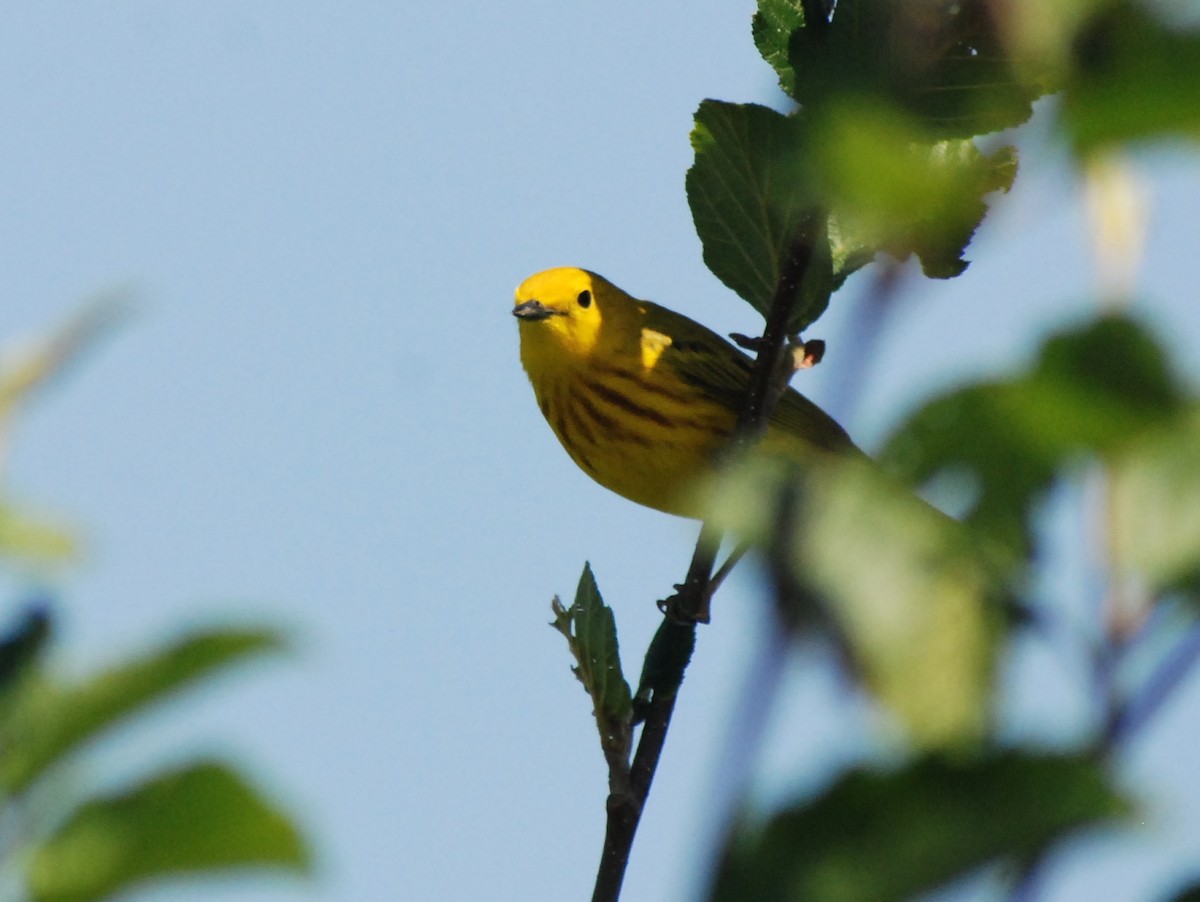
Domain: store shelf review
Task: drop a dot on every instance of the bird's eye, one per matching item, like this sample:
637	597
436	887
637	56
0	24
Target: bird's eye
585	299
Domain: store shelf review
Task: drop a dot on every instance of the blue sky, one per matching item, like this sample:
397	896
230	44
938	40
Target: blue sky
317	417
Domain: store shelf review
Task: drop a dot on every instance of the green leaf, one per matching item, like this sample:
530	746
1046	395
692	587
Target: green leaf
1135	77
772	29
1092	391
905	590
200	818
48	721
595	632
883	182
877	837
591	633
749	198
942	63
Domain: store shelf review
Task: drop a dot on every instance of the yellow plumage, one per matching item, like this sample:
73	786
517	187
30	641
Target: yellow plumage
641	397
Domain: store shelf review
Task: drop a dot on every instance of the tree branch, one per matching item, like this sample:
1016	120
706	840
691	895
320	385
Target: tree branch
671	649
691	604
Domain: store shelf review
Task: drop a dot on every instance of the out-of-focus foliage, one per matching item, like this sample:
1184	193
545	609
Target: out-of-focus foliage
892	96
202	817
62	841
891	835
25	369
77	846
1094	392
940	62
1134	76
892	142
902	587
924	607
48	720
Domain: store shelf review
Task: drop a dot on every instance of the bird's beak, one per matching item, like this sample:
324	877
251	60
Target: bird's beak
532	310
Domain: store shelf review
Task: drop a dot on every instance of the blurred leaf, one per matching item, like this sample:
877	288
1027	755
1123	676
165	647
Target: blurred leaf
48	721
1190	893
891	836
29	367
1135	77
201	818
591	633
1039	36
892	92
1092	391
33	540
910	596
22	647
23	370
894	188
1154	509
941	62
749	199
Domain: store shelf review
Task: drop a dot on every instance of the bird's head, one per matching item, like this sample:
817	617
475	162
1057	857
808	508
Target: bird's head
561	311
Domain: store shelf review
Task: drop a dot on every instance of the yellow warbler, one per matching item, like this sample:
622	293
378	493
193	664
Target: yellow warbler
643	398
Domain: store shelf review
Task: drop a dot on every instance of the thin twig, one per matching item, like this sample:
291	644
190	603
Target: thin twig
625	809
1025	886
1132	716
726	568
869	318
671	648
1124	714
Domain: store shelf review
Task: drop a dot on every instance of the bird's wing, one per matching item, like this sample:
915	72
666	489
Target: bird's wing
702	358
709	363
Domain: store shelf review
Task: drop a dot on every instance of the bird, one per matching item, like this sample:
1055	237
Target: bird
644	399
